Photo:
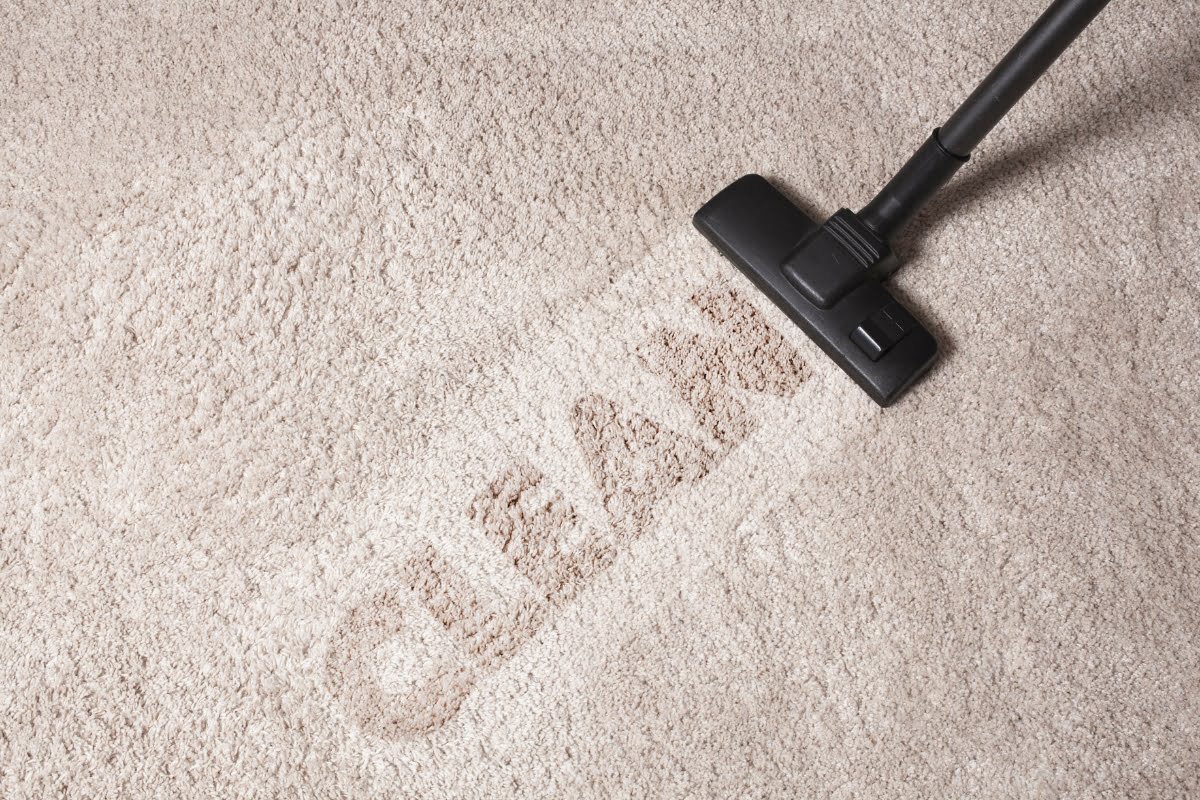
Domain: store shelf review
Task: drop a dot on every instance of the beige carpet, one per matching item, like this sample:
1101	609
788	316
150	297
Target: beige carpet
374	424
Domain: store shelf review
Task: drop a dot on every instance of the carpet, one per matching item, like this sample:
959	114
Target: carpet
374	424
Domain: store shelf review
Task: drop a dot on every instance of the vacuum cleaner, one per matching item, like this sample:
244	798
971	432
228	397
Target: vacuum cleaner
828	277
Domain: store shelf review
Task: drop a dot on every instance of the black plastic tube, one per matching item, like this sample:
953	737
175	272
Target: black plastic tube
1040	47
917	181
950	145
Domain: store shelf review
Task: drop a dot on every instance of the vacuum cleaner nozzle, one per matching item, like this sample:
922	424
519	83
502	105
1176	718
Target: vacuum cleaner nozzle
827	277
823	277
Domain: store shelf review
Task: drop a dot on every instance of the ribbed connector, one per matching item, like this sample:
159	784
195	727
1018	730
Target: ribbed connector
859	240
835	258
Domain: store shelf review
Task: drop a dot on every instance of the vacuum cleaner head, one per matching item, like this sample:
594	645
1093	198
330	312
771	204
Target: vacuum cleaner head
827	277
823	277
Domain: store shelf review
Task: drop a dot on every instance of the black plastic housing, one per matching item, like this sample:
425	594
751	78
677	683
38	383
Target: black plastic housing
821	276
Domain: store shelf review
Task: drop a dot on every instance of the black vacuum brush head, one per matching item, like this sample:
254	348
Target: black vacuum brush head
827	277
821	276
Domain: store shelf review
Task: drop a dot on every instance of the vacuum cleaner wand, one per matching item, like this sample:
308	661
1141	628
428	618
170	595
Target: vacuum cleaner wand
826	277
